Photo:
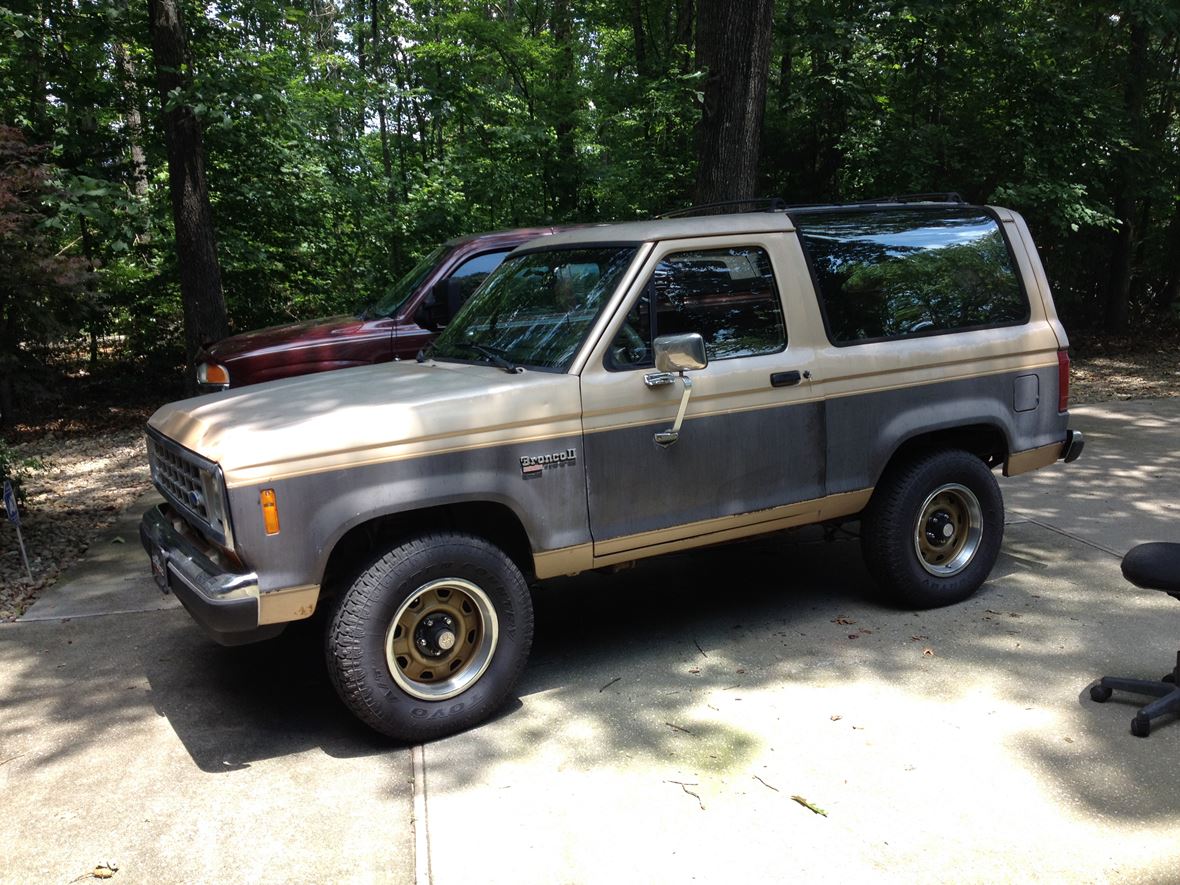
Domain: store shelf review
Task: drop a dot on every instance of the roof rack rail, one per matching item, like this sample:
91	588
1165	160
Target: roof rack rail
937	197
778	204
763	204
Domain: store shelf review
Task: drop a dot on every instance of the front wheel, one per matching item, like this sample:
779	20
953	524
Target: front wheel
431	638
933	528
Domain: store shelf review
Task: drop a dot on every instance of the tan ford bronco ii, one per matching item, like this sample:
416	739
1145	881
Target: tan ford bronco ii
615	393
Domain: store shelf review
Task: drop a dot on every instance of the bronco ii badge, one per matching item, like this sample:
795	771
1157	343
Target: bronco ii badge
532	466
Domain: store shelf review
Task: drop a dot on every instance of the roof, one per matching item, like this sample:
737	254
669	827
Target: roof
775	220
671	229
502	237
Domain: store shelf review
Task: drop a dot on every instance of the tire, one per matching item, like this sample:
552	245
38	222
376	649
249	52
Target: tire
933	529
430	639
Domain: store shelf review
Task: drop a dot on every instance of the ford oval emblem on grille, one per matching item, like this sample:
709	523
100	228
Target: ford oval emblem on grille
195	498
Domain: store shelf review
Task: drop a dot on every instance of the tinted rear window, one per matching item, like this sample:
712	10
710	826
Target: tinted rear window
895	274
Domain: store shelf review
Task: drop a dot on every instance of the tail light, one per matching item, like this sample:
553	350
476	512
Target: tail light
1063	380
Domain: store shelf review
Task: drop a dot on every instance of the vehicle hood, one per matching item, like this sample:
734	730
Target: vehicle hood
370	414
285	336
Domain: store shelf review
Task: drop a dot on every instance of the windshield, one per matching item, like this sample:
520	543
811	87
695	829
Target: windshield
396	296
535	309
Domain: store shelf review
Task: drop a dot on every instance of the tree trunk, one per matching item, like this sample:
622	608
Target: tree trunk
640	35
565	171
382	127
38	90
733	45
1170	293
685	17
1118	286
132	119
786	61
196	248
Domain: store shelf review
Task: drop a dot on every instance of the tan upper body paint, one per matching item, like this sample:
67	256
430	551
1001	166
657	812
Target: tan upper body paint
313	423
317	423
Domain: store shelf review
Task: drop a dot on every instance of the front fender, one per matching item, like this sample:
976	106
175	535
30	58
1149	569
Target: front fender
316	511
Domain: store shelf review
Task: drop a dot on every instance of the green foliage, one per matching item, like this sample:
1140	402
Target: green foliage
341	148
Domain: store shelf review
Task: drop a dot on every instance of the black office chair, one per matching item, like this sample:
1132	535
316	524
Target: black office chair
1154	567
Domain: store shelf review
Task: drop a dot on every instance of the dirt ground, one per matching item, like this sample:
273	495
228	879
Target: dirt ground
95	465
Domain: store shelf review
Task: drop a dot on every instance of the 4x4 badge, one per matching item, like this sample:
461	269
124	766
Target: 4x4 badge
532	466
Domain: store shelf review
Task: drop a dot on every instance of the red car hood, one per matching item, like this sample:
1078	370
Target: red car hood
283	337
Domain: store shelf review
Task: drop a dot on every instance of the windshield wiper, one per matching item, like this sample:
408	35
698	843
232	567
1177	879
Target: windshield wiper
491	354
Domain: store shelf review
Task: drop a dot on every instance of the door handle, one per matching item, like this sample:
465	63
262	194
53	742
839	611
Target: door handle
788	379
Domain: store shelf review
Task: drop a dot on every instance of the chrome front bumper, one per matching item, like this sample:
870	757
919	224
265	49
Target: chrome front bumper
224	603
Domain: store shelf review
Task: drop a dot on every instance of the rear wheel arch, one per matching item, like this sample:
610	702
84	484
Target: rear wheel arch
989	442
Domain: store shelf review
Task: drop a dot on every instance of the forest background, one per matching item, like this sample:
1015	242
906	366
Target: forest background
343	140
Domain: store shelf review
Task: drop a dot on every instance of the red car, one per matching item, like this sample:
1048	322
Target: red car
396	327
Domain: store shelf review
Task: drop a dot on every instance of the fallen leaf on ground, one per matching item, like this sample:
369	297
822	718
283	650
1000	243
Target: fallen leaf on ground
810	806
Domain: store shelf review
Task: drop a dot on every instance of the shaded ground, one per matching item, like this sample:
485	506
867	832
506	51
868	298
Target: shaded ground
91	441
1125	369
88	439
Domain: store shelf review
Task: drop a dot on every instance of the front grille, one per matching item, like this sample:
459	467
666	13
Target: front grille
179	479
192	484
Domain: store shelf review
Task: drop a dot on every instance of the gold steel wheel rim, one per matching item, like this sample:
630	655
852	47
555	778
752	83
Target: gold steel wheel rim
441	639
949	530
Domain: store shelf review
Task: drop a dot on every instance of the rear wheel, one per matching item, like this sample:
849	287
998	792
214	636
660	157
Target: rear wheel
431	637
933	529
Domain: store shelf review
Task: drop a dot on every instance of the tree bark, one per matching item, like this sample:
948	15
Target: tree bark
196	247
132	119
733	46
639	32
1170	292
1118	286
382	126
786	61
685	19
565	172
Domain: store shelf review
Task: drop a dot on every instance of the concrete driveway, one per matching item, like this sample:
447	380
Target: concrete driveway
667	719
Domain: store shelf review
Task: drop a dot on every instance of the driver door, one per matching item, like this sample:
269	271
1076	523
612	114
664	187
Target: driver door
749	450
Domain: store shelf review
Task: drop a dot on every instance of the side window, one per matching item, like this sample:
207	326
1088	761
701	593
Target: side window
729	296
471	273
896	274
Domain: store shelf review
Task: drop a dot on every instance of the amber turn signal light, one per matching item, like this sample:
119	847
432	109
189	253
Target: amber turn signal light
212	373
270	511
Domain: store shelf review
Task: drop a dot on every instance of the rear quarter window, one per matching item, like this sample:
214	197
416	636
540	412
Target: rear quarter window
884	275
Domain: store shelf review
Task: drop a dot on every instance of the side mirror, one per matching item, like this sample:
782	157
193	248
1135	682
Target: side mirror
440	305
675	355
680	353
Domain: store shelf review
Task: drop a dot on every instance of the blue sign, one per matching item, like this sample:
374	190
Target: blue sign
10	503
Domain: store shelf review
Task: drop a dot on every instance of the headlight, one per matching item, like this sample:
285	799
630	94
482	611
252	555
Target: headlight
212	490
213	375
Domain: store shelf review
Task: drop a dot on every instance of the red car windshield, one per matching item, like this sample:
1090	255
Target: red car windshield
397	294
535	309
